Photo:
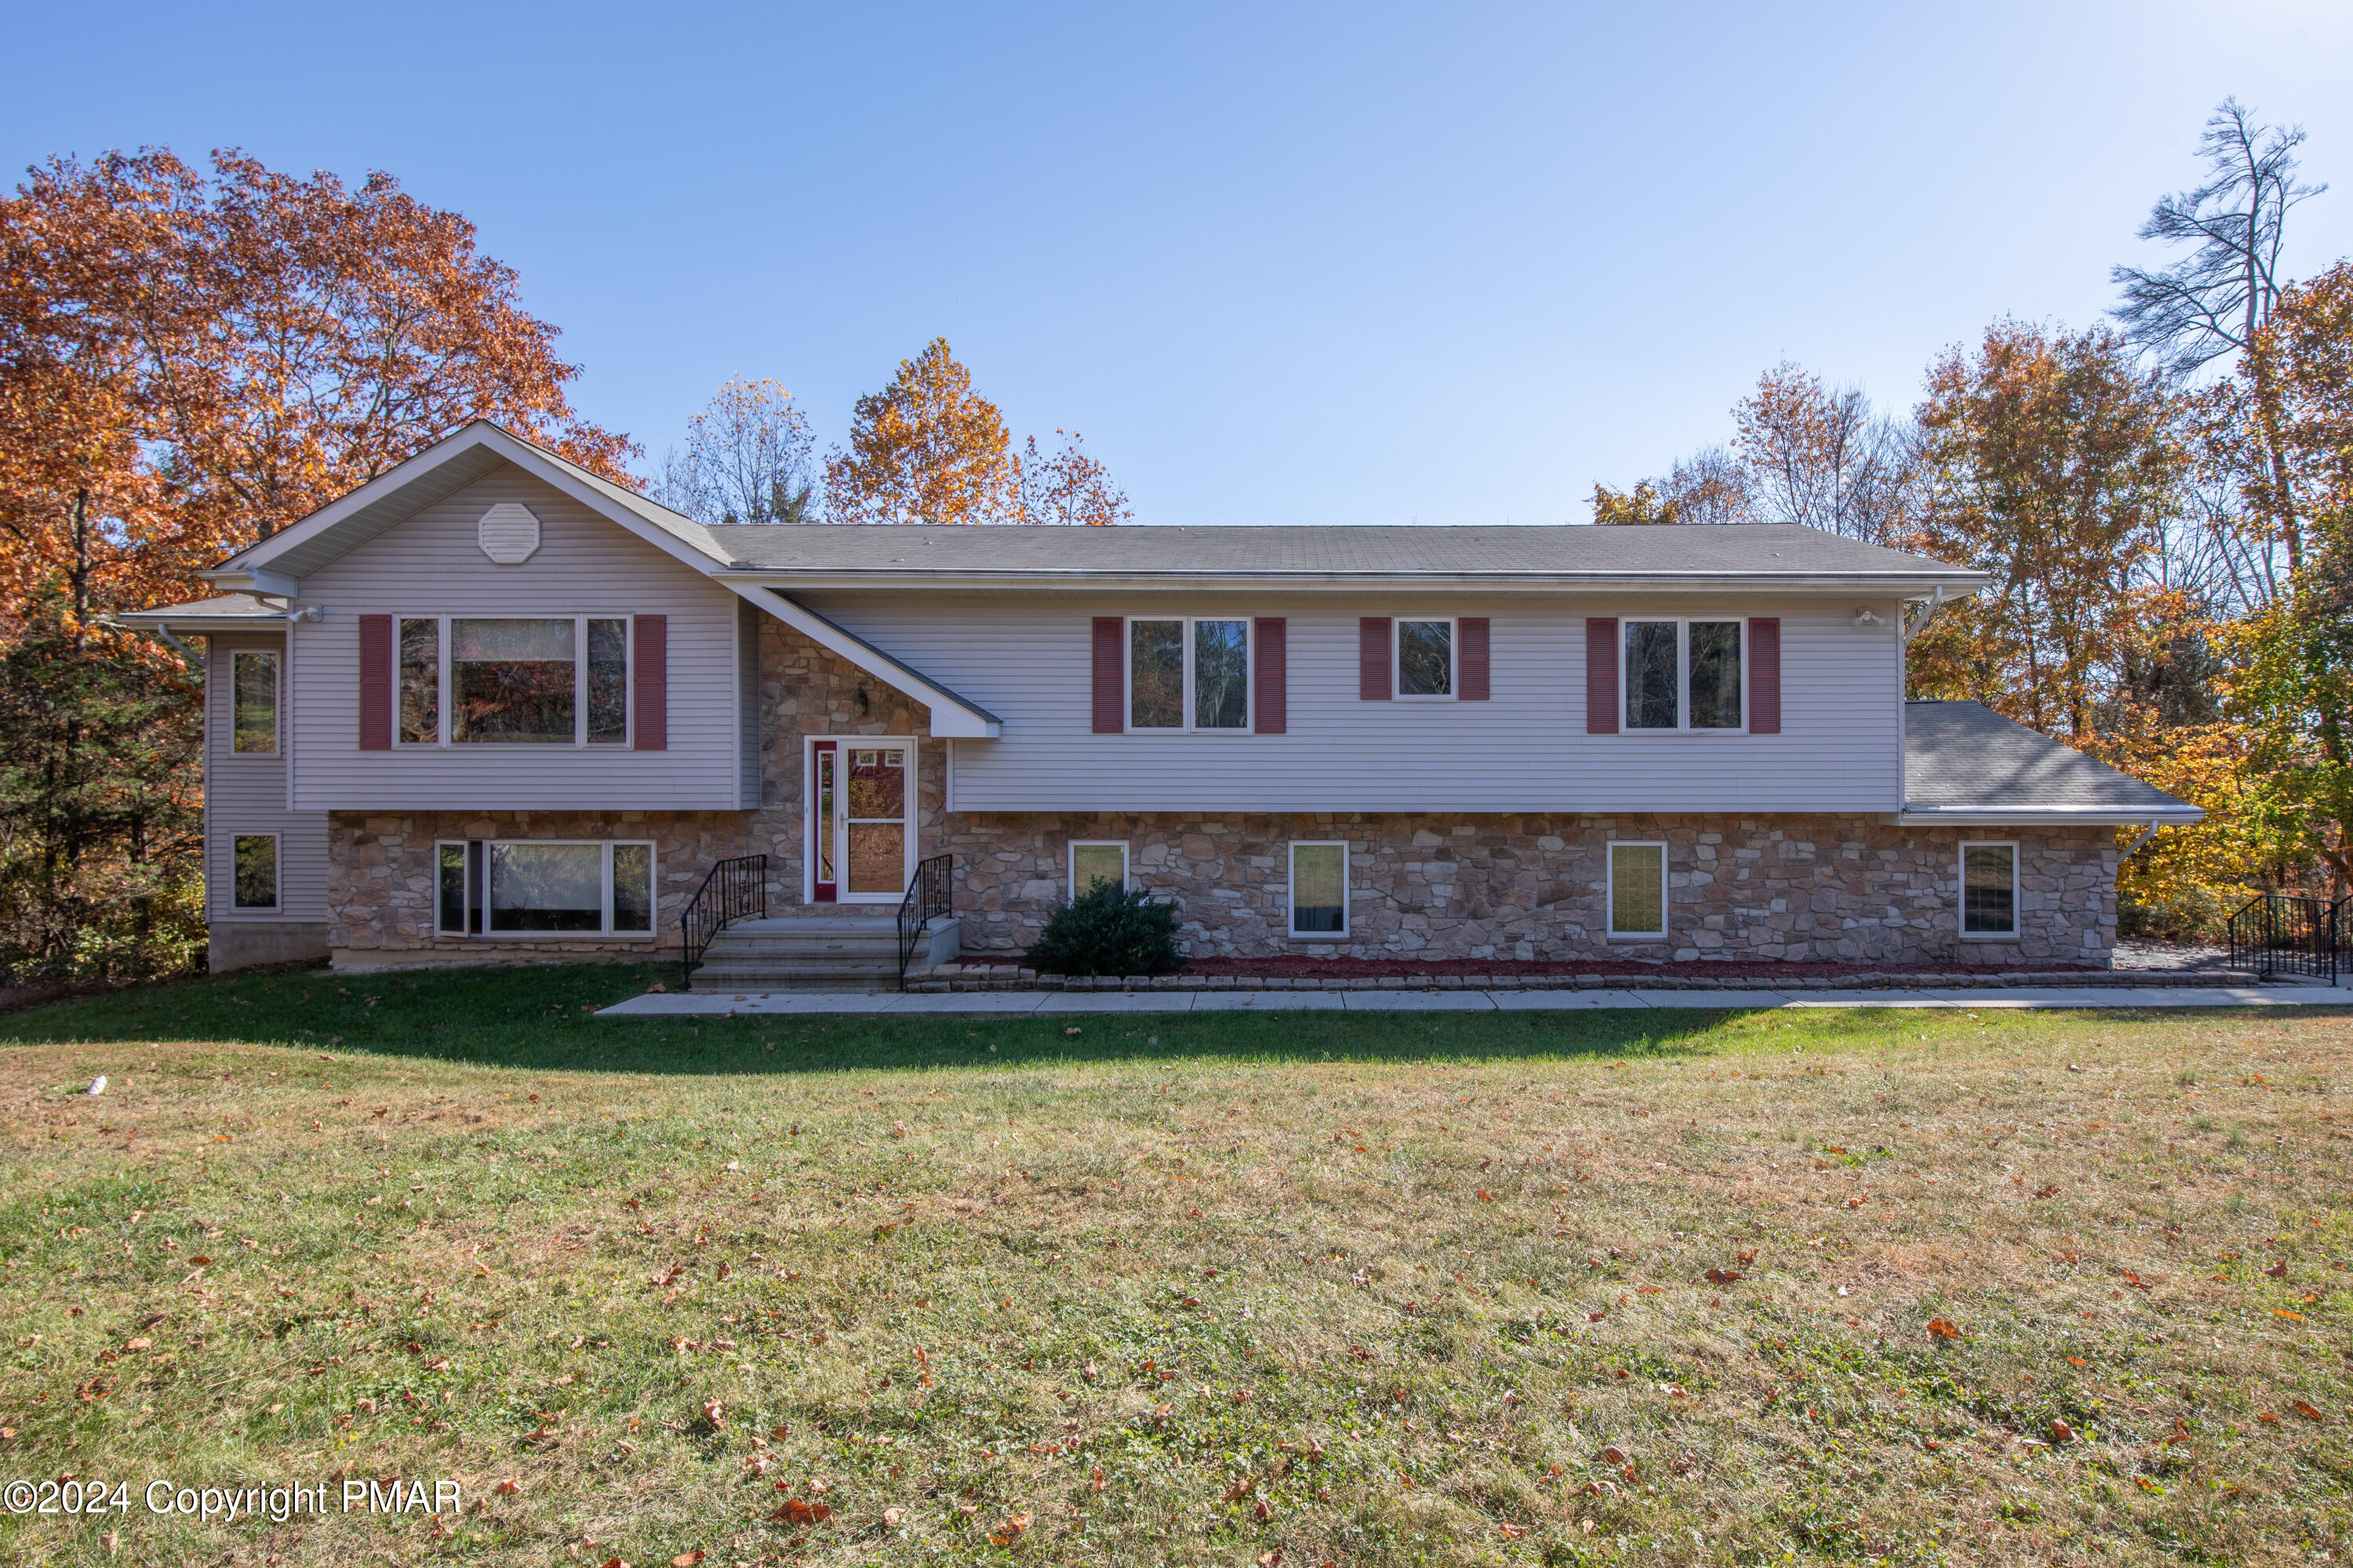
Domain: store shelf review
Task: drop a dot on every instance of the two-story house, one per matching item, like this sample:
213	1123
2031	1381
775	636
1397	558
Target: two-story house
491	705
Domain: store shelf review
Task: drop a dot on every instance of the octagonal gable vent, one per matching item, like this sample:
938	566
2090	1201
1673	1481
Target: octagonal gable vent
508	533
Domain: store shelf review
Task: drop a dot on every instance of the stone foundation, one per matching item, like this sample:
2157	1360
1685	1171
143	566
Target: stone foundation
1792	887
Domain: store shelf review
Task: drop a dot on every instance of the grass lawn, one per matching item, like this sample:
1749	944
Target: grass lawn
1638	1286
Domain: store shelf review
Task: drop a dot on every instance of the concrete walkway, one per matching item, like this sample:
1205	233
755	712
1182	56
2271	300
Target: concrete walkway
1058	1003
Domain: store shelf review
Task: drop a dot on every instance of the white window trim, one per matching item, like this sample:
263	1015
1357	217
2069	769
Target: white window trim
277	873
1070	862
1961	889
604	933
1348	891
444	667
277	703
1684	726
808	816
1127	676
1610	891
1453	692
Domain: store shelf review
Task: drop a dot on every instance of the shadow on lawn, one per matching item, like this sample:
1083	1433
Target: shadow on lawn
538	1017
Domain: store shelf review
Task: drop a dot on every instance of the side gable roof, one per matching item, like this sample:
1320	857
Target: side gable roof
1964	763
449	465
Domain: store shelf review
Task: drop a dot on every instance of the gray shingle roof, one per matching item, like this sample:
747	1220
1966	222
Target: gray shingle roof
1964	757
226	613
915	551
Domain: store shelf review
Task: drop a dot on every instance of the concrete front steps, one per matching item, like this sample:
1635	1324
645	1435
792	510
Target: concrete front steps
815	952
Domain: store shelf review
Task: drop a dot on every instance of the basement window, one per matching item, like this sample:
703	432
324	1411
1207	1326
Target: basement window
532	887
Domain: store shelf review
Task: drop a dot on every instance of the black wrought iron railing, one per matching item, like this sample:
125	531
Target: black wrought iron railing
735	890
930	896
2276	934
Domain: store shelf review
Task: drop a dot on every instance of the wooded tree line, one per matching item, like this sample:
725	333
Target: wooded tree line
2161	501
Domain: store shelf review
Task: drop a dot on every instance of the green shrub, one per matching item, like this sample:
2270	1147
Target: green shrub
1109	930
2186	914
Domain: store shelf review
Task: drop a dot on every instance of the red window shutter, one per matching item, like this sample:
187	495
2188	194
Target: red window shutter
1373	659
1269	688
653	682
1601	674
1111	717
375	683
1471	655
1764	674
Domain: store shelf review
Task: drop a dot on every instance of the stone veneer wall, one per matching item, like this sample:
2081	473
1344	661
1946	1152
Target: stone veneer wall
1447	885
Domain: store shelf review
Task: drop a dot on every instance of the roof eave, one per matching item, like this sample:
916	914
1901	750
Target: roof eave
1065	579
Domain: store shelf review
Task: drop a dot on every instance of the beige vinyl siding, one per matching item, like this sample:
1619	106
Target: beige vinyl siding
1028	658
432	564
245	792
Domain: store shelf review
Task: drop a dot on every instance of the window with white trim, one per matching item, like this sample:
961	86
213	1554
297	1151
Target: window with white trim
1989	889
1638	890
253	701
1423	658
1189	673
489	681
525	887
1319	890
253	870
1097	860
1683	676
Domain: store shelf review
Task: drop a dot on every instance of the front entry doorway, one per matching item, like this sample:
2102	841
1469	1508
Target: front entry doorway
862	825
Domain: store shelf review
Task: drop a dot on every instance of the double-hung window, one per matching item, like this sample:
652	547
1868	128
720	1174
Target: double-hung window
1988	890
1684	675
530	887
1425	658
1189	673
491	681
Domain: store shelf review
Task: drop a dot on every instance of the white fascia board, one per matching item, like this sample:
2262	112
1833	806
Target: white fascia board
1683	582
952	716
248	568
2049	816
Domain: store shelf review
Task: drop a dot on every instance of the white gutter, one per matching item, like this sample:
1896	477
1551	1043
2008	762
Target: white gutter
2049	816
788	581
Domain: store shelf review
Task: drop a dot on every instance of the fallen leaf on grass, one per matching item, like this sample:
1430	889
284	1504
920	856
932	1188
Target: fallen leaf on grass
1944	1328
2136	1282
2277	1270
794	1511
506	1488
686	1559
1723	1277
2061	1432
1014	1525
2306	1411
2052	1191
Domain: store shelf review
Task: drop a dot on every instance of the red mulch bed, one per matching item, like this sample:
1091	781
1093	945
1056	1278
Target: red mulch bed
1298	966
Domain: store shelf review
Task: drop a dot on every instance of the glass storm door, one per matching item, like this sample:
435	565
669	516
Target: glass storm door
860	822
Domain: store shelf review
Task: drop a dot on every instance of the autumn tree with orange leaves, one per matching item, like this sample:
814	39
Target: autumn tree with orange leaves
190	361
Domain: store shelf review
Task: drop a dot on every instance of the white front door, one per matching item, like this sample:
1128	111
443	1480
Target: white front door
862	824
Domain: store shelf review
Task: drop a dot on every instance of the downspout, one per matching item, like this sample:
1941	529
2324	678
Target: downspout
2147	833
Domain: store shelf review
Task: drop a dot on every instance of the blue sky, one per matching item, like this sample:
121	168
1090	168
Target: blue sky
1353	263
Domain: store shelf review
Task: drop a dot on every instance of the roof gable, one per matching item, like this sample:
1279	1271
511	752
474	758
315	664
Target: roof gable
440	470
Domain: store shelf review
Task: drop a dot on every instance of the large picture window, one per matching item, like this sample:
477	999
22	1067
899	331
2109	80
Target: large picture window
1189	673
530	887
1684	675
1990	890
1425	658
254	871
1638	890
253	700
1319	890
543	680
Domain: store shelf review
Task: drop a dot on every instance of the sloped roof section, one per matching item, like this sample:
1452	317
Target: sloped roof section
915	552
228	612
1964	762
441	470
